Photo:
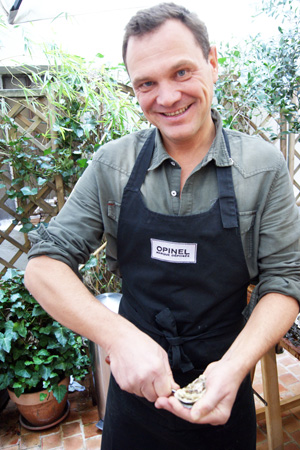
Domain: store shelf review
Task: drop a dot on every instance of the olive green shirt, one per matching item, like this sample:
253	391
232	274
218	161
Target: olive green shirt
268	216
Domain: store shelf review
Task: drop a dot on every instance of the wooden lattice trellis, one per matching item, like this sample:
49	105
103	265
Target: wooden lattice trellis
32	122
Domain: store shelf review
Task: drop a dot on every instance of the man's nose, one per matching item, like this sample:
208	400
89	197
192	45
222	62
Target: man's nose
167	95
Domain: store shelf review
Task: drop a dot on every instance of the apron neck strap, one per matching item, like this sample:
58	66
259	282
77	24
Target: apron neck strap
142	163
227	200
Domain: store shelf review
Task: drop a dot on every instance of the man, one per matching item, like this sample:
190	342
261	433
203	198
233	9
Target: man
191	214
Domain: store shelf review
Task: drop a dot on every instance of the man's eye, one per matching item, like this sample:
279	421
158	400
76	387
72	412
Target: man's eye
148	84
181	73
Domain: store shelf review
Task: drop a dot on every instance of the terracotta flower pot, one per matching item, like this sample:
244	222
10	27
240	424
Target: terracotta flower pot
40	413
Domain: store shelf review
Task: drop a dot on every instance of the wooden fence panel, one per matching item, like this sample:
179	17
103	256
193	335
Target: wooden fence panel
33	123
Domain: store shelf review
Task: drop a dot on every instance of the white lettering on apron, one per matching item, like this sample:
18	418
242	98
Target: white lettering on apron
174	252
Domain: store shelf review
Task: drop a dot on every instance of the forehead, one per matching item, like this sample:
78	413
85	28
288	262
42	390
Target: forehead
170	41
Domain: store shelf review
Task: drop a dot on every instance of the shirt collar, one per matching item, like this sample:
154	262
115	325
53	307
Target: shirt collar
217	151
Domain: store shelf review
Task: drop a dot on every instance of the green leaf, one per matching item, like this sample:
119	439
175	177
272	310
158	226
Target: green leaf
5	342
37	360
46	330
59	392
60	335
21	370
15	297
79	132
43	352
46	372
26	190
41	181
82	162
43	396
21	329
26	228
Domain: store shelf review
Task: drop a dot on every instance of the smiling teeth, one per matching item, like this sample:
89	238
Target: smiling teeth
180	111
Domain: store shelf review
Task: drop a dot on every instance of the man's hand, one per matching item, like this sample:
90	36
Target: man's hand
140	366
222	384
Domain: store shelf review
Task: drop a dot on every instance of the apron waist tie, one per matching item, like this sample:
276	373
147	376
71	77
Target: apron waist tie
167	328
177	357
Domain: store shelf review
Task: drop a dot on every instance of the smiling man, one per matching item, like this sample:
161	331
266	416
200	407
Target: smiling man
192	213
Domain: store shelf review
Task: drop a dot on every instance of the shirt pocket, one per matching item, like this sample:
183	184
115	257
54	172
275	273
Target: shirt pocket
113	210
247	221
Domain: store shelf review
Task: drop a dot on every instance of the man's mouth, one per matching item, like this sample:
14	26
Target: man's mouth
176	113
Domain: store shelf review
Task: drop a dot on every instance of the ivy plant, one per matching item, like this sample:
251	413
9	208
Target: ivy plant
36	352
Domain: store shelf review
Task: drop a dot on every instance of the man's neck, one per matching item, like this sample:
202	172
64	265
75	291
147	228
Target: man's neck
189	154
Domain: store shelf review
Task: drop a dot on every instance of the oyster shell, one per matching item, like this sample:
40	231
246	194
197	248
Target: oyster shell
189	394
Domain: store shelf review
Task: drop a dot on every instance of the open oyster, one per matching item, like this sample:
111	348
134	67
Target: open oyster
189	394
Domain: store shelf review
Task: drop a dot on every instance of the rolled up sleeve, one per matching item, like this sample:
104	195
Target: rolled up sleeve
77	231
278	241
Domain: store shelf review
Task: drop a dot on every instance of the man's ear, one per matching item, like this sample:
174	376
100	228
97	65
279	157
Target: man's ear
213	61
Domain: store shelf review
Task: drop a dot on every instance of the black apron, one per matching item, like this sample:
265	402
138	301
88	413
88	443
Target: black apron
184	283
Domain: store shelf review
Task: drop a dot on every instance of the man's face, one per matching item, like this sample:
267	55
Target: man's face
173	82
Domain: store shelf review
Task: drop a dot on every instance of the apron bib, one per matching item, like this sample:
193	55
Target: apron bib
184	283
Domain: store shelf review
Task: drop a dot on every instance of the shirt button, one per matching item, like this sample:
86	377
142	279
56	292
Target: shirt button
173	193
173	163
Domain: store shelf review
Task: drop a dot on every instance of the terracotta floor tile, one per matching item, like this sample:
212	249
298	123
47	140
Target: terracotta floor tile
73	443
262	425
287	379
38	447
290	423
287	437
296	436
295	369
8	439
286	358
295	389
15	447
90	416
291	446
281	370
282	388
93	443
260	436
91	430
287	413
72	416
71	429
296	412
29	440
262	446
52	441
51	430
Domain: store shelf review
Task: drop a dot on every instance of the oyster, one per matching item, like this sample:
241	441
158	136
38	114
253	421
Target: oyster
192	392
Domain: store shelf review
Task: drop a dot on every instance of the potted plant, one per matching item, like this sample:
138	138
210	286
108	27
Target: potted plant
37	354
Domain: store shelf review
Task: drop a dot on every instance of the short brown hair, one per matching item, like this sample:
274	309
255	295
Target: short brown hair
149	19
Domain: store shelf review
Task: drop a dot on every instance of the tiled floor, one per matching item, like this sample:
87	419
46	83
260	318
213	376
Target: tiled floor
79	431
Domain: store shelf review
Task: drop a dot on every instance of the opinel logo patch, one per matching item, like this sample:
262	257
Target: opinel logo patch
173	252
